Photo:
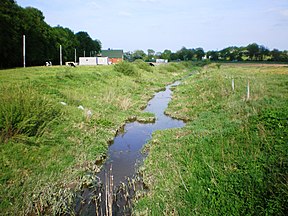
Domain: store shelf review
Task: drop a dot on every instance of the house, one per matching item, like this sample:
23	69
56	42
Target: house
114	56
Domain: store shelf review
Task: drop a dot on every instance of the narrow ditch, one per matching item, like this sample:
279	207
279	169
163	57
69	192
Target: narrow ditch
118	183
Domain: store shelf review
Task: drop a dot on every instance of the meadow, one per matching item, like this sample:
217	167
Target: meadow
232	157
56	123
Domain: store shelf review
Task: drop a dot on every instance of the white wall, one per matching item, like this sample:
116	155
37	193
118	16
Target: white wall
102	60
87	61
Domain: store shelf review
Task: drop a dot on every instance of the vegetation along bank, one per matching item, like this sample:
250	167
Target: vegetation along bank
56	123
230	158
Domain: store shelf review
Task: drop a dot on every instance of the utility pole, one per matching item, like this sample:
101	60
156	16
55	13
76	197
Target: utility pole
84	53
24	52
60	54
75	56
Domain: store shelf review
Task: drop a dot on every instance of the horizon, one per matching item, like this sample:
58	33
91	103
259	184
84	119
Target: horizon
157	24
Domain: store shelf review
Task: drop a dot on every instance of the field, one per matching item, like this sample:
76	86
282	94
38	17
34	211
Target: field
232	156
56	122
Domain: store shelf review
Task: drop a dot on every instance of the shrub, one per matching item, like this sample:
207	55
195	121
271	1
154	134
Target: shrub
125	68
23	111
201	63
143	65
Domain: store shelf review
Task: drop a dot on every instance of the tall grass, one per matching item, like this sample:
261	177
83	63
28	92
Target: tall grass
24	112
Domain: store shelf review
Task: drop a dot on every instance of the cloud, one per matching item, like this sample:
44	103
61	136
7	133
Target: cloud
124	14
94	5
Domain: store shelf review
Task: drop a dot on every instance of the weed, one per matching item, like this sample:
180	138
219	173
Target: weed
126	68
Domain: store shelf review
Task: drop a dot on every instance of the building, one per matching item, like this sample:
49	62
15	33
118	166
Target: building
114	56
162	61
93	60
87	61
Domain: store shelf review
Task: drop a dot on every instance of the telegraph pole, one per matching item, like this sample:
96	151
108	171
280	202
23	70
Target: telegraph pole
24	52
75	56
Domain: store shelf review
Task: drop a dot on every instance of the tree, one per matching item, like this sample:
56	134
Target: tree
151	54
263	51
86	44
213	55
253	50
199	52
276	55
138	54
42	41
166	54
67	39
11	35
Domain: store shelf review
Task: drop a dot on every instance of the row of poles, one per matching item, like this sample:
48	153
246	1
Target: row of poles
24	53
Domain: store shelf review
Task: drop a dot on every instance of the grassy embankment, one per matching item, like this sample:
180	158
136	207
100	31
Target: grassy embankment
232	156
47	147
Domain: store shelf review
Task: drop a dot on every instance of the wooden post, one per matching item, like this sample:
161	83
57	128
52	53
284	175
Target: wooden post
24	51
248	90
60	54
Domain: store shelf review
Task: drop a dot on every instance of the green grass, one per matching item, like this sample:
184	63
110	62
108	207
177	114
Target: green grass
232	157
47	147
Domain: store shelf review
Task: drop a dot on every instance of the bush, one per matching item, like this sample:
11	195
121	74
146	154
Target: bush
23	111
143	65
201	63
126	68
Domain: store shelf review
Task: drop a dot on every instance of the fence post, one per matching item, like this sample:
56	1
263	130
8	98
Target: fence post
248	90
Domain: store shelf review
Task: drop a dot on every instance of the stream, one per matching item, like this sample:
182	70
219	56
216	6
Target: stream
117	189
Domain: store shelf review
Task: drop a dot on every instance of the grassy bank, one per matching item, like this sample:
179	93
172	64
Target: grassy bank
57	121
232	157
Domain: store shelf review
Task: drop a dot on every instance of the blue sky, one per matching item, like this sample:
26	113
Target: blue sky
170	24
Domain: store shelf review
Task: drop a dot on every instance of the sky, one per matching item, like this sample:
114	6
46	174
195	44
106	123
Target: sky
171	24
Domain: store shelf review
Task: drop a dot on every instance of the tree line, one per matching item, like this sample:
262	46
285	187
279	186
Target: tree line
42	41
251	52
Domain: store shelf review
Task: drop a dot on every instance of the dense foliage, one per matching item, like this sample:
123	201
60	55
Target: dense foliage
42	40
252	52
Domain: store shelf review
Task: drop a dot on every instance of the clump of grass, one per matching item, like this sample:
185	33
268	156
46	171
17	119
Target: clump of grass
143	65
24	112
172	67
126	68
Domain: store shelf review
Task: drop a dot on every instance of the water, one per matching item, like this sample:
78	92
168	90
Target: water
125	151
